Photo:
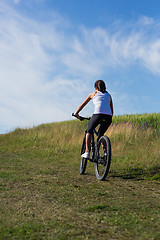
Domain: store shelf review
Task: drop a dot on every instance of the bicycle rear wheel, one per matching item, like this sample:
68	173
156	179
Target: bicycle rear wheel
103	160
83	163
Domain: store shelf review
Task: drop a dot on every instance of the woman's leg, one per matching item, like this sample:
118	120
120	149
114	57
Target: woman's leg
88	142
104	124
104	121
93	123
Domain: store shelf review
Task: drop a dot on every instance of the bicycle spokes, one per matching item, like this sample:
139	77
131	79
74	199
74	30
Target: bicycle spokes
103	158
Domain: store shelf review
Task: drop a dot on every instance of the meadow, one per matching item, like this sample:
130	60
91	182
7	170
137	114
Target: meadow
43	196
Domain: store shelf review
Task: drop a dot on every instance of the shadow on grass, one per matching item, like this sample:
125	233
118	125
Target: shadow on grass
138	174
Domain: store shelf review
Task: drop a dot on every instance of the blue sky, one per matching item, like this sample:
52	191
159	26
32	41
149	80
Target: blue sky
52	52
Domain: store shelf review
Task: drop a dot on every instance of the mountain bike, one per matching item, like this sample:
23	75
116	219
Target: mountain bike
100	154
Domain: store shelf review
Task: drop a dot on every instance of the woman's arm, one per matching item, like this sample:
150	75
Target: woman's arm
90	96
111	106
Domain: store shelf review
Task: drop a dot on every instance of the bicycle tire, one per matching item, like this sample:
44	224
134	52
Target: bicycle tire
83	163
103	160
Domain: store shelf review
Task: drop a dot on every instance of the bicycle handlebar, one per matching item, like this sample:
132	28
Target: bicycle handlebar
81	118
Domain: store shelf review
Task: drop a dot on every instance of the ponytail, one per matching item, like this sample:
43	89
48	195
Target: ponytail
100	86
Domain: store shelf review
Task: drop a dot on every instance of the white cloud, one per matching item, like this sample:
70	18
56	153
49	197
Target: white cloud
46	69
16	1
137	47
144	20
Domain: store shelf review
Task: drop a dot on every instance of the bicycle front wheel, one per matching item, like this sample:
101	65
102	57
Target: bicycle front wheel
83	163
103	160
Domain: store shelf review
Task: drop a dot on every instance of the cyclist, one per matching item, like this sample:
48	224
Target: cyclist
102	115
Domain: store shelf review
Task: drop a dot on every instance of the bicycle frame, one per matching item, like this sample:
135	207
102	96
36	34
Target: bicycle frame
101	154
93	148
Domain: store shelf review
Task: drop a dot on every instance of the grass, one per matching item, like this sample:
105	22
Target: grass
141	121
43	196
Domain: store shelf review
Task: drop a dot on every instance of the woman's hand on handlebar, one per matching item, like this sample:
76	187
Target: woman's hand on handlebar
80	117
77	115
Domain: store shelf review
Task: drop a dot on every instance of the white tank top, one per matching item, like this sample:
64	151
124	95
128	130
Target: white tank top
102	103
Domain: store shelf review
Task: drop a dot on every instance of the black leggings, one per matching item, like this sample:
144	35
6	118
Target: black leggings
103	120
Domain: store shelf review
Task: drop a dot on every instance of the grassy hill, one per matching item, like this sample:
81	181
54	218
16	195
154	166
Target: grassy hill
43	196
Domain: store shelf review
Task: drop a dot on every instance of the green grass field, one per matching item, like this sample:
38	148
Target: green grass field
42	195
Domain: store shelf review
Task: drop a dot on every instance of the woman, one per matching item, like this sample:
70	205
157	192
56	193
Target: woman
103	113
